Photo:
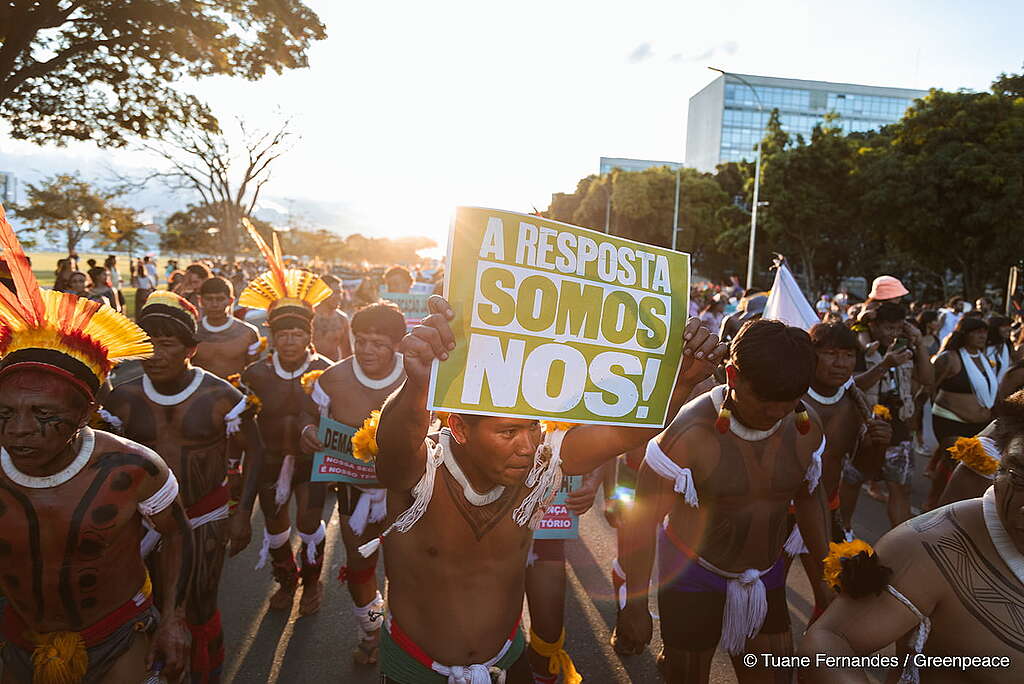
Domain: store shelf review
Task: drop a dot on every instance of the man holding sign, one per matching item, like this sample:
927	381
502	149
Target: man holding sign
346	394
458	548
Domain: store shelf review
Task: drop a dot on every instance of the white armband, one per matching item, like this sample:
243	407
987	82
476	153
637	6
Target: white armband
233	418
163	498
320	398
814	469
670	470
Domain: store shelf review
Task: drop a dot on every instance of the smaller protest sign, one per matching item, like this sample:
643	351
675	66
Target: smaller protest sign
558	522
412	304
336	462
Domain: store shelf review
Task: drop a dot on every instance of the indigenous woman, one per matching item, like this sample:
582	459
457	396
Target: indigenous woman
965	391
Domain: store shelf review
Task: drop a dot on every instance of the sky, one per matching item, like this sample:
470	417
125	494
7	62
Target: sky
409	109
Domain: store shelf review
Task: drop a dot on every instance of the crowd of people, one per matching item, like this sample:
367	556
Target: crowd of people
124	488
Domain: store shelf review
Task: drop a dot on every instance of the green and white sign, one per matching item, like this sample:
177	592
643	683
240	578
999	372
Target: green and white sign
556	321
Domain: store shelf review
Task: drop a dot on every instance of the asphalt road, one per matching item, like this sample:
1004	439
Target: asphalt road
271	647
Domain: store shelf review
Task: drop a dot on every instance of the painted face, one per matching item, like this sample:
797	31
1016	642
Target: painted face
375	353
754	411
39	415
291	344
170	359
502	449
219	302
1009	490
835	366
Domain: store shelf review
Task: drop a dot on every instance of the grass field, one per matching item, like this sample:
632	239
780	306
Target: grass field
44	266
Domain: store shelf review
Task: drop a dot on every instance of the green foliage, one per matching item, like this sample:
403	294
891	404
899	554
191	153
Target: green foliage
106	70
64	208
934	196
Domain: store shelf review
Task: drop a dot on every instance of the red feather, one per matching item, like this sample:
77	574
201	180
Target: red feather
25	284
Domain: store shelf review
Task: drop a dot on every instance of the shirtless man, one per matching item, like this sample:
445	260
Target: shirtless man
961	569
725	472
456	560
226	344
72	501
193	419
348	392
277	382
849	428
330	325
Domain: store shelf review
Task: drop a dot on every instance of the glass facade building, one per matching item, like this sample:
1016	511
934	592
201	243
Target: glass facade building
725	121
625	164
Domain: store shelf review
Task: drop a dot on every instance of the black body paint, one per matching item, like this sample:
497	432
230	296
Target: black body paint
34	546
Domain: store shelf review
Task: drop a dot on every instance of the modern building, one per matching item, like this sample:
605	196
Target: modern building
609	163
728	117
8	188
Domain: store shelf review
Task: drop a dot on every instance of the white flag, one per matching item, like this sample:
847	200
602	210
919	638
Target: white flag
787	303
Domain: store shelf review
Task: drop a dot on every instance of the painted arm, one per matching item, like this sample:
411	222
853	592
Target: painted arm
637	531
345	343
174	562
865	625
811	508
241	525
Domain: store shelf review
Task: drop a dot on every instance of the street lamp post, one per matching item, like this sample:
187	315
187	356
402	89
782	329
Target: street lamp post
675	212
757	178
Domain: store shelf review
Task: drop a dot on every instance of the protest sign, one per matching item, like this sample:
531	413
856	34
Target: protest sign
558	522
336	462
556	321
412	304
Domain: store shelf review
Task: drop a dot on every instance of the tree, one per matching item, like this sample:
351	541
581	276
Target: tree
943	186
227	181
809	215
106	70
65	207
122	229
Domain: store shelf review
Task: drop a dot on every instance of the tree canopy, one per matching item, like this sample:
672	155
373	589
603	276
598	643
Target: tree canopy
106	70
66	208
934	198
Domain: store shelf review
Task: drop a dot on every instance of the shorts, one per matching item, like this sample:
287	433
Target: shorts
691	600
102	656
898	467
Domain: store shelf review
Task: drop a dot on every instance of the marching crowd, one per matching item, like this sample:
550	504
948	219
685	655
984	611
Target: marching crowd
122	494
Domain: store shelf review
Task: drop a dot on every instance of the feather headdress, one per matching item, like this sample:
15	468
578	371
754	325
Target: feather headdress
76	338
280	286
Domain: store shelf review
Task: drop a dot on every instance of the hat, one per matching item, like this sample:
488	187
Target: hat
751	306
887	287
174	307
75	338
287	295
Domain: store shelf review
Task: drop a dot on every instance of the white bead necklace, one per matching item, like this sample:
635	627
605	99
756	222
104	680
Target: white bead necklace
49	481
172	399
736	427
472	496
290	375
370	383
216	328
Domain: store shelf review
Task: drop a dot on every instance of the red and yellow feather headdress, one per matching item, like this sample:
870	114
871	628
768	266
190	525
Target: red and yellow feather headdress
280	286
77	338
